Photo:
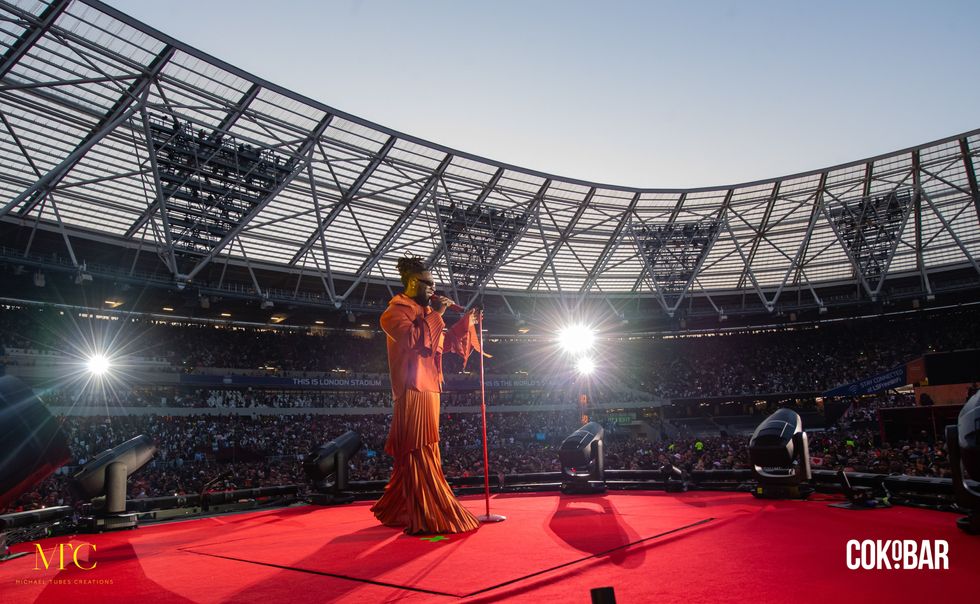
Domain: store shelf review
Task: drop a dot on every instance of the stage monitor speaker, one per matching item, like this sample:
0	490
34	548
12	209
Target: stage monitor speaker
33	443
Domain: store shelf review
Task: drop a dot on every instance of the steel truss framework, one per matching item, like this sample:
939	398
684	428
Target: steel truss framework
98	114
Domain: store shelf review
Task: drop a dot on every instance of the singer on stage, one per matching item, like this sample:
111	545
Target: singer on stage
417	495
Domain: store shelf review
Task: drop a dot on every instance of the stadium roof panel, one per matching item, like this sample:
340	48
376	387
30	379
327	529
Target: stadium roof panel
112	127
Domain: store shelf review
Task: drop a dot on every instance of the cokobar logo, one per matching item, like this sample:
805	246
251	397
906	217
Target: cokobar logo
898	554
41	560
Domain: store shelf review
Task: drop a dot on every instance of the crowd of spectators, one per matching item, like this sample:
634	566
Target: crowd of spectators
789	359
805	360
192	346
263	398
266	450
863	411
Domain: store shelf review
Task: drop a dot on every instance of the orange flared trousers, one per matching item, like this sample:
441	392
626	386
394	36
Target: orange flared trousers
417	495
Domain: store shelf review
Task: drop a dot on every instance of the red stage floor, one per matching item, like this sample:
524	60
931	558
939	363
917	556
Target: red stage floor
648	545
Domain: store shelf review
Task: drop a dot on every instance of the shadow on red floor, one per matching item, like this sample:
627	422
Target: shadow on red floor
648	545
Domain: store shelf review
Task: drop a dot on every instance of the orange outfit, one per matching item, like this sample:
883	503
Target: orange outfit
417	495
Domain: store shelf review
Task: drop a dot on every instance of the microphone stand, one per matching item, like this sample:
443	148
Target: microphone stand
488	517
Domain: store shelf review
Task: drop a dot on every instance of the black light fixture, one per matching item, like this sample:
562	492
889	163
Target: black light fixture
30	525
673	479
33	442
82	275
963	442
104	480
330	462
780	456
581	461
34	446
862	497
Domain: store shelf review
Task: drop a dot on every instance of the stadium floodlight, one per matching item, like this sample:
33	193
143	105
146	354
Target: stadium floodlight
576	339
585	366
581	459
103	481
963	442
330	462
780	456
98	365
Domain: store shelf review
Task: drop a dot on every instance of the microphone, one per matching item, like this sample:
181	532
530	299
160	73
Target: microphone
453	307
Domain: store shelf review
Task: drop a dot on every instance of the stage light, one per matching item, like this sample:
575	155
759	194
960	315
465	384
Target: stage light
963	442
82	276
576	338
98	365
861	497
673	479
34	445
780	456
105	477
581	459
585	366
330	461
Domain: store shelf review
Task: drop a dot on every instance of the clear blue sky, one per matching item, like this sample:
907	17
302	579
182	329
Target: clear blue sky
649	94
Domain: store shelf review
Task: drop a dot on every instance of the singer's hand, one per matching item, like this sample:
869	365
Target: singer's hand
475	315
441	304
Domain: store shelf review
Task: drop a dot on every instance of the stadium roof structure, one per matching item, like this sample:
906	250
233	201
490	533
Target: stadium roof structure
115	132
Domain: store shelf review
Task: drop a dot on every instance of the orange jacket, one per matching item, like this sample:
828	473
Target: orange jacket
415	344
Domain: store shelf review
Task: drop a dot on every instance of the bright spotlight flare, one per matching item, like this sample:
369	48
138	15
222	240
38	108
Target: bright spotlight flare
576	338
585	366
97	364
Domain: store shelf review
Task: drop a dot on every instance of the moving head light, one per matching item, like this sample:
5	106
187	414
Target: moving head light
963	442
330	461
33	443
780	456
674	478
581	460
104	479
